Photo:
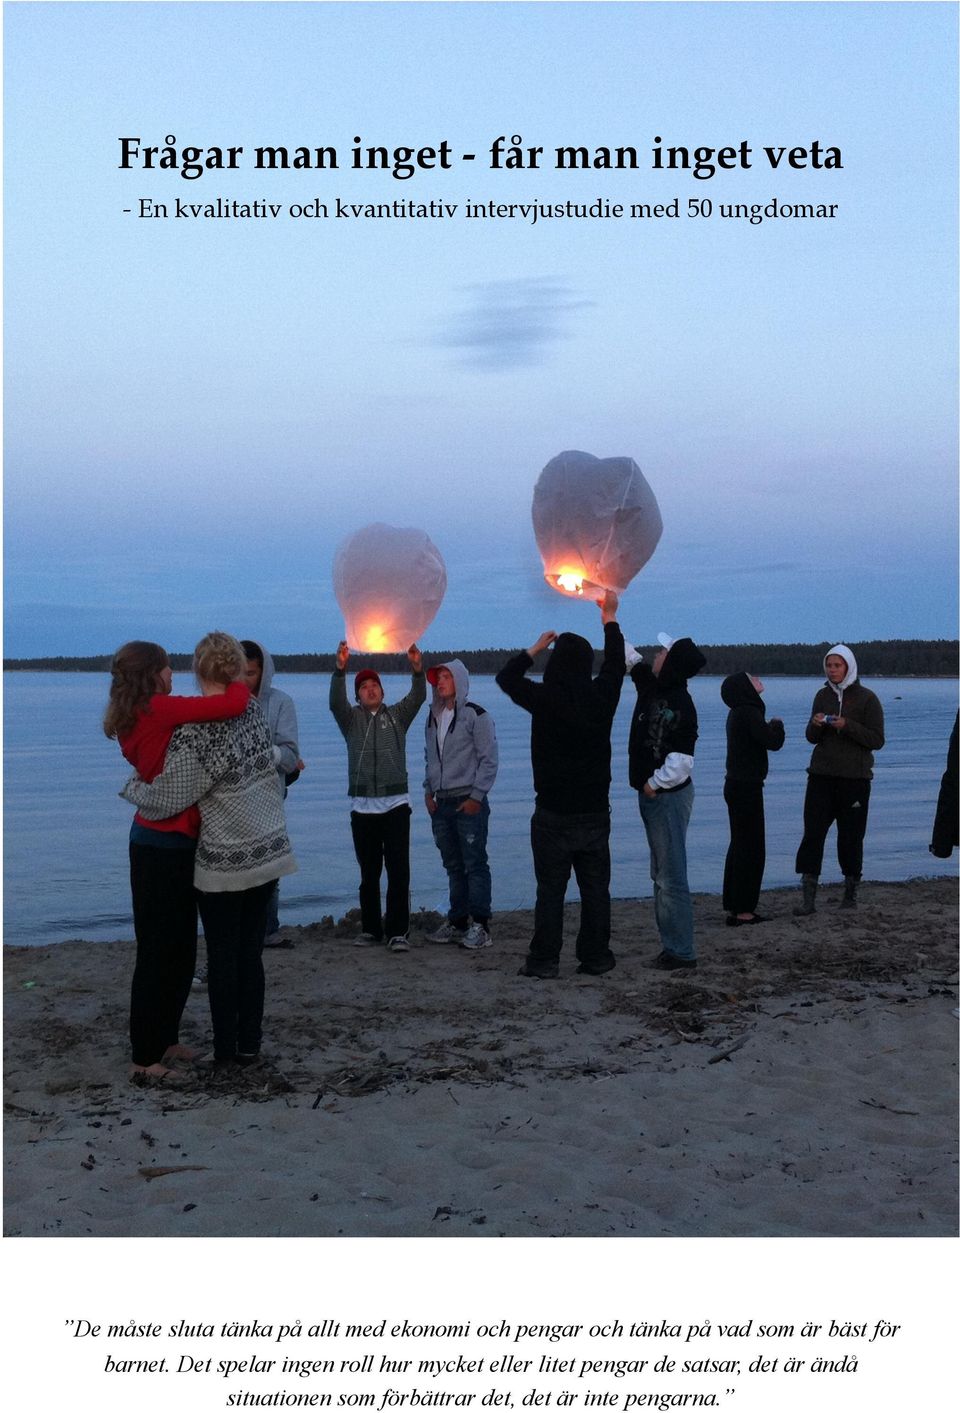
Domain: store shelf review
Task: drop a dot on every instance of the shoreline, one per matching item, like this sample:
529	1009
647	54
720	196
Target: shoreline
801	1082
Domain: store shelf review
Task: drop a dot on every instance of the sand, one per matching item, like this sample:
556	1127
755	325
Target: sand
802	1082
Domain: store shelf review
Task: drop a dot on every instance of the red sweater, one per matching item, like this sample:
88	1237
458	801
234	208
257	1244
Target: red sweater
145	747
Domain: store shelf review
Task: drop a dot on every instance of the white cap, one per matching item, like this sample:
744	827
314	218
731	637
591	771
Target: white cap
665	640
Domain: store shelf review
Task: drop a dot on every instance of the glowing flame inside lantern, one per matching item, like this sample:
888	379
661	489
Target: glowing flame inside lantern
570	582
375	639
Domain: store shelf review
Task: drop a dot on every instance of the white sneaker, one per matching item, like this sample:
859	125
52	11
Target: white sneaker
475	937
366	939
446	932
398	944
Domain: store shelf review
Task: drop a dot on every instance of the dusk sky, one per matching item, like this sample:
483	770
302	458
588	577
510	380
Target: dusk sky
198	411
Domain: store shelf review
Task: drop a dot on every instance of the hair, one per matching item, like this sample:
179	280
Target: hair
134	671
253	650
219	658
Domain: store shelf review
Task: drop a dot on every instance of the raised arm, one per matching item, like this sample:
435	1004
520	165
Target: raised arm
408	706
512	677
342	711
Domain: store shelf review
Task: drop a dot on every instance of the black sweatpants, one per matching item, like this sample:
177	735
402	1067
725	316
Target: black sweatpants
383	841
165	924
747	854
831	798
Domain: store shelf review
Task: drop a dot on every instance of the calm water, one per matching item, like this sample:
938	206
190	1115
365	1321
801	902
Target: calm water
65	868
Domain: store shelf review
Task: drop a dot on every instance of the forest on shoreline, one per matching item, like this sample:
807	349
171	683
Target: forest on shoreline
894	657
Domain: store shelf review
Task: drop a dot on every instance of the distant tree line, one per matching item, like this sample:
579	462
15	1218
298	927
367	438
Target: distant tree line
894	657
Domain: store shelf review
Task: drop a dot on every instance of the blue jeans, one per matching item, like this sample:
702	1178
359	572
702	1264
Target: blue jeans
462	841
665	818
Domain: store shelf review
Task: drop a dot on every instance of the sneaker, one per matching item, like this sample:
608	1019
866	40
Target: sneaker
475	937
446	932
200	978
367	939
669	961
398	944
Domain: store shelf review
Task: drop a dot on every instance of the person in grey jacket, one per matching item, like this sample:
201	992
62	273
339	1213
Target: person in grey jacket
376	736
461	766
281	716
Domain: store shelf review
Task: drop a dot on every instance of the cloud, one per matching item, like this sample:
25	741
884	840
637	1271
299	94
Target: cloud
511	323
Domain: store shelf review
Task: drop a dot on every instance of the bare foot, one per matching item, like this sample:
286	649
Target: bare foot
180	1052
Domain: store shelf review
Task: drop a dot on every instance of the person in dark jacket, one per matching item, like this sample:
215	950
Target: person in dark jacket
845	728
572	713
946	825
749	739
663	735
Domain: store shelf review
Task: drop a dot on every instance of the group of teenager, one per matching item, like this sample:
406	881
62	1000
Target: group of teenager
212	772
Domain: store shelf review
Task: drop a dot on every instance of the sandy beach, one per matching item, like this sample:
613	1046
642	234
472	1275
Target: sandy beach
801	1082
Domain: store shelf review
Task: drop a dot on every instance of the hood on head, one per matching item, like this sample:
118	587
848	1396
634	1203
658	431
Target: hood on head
683	661
266	677
841	650
460	676
739	690
571	662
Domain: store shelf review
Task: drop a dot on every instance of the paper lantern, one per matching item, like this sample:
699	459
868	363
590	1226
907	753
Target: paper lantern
597	522
389	583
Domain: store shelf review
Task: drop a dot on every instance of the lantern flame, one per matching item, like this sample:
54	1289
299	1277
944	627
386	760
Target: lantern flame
570	582
375	639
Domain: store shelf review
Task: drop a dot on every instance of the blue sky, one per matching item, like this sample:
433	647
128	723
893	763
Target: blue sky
197	412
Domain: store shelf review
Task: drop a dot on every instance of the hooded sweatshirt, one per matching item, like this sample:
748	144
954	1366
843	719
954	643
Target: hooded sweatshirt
847	753
376	740
663	732
572	715
281	716
749	735
465	761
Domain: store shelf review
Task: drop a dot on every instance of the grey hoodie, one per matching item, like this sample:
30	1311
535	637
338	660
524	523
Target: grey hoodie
468	762
281	716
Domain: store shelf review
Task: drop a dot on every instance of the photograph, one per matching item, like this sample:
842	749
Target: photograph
480	641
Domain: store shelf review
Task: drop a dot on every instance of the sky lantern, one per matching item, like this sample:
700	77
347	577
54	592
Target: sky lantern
597	522
389	583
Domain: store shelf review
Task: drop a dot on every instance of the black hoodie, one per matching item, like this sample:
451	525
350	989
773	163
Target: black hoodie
665	718
749	735
572	715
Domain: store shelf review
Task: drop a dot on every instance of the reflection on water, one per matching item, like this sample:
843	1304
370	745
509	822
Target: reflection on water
65	868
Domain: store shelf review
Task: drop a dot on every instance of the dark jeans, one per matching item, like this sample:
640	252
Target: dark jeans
747	854
830	798
581	842
462	841
165	923
233	925
383	841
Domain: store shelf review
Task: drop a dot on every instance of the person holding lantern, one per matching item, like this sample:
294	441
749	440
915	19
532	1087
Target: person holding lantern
572	713
663	734
376	736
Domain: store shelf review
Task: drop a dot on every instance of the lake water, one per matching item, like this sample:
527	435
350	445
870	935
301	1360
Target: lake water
65	865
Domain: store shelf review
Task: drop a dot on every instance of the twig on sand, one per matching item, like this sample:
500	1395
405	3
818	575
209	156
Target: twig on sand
151	1173
454	1097
731	1050
875	1104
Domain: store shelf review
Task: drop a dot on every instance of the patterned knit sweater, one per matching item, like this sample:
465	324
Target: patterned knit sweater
228	769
